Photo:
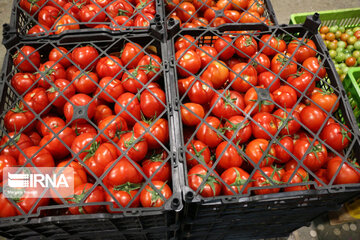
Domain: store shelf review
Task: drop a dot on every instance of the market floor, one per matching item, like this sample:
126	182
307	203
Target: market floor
320	229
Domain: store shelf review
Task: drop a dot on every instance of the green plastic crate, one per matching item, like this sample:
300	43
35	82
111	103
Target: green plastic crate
351	84
343	17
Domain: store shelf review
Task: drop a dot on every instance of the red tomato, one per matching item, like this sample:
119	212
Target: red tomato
11	144
336	136
62	54
117	22
255	150
304	51
326	100
35	138
227	104
188	62
236	178
65	23
246	46
92	13
201	91
37	100
109	67
79	100
80	128
317	156
260	61
132	104
28	57
29	203
206	54
49	72
185	11
50	122
119	7
85	57
217	73
313	65
151	64
272	44
192	113
299	177
153	164
322	175
285	96
282	156
112	127
159	132
111	89
6	161
123	171
57	147
23	82
81	145
135	80
151	198
152	102
185	42
131	55
267	122
212	186
85	82
99	156
206	134
38	30
31	6
242	78
239	126
40	158
301	81
96	195
312	117
143	20
70	71
73	9
124	194
62	89
48	15
7	208
184	84
282	63
101	112
224	46
230	156
349	172
197	153
134	148
291	125
268	80
19	118
272	179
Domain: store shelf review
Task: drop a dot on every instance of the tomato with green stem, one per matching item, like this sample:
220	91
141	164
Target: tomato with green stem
124	194
207	135
317	156
267	122
151	64
336	136
212	185
159	132
96	195
292	124
151	198
304	51
227	104
31	6
11	143
349	171
85	82
273	44
119	8
137	152
230	156
300	176
261	181
63	88
245	46
151	165
112	127
19	118
80	128
326	100
282	63
240	126
236	178
300	81
256	149
197	153
134	80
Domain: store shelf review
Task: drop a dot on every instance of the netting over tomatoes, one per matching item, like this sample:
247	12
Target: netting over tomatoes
100	108
48	17
262	113
198	13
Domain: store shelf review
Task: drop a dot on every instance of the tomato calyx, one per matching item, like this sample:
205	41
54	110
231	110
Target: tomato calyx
344	134
283	60
273	181
239	182
155	196
52	89
198	154
119	131
47	72
267	156
284	121
76	130
236	126
229	101
76	198
91	151
156	158
132	75
122	12
131	141
127	187
211	180
304	179
78	5
248	41
12	141
315	149
142	4
262	102
19	108
149	67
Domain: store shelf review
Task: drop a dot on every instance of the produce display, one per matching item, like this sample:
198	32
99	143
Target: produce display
101	111
56	16
197	13
343	45
258	115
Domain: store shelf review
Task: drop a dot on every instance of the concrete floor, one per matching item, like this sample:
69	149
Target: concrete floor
283	10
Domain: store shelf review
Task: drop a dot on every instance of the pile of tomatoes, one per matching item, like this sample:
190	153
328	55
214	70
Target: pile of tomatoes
56	16
236	140
197	13
102	115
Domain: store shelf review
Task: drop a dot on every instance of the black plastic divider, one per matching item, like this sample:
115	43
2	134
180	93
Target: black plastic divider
268	14
248	216
133	223
21	21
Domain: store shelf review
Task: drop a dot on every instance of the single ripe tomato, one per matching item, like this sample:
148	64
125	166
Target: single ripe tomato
97	195
19	118
224	46
192	113
227	104
6	161
186	42
80	128
197	153
285	143
23	82
255	151
268	80
300	81
267	122
206	134
206	54
313	66
109	67
188	62
227	156
151	198
37	100
112	128
48	15
62	54
82	144
336	136
38	30
212	185
119	7
272	179
122	172
300	176
236	179
317	156
99	156
152	102
217	72
349	171
134	80
131	55
132	111
26	58
65	23
291	124
101	112
153	164
243	77
239	126
246	46
326	100
304	51
124	194
85	57
42	158
273	45
260	61
151	64
282	63
85	82
63	88
11	143
91	13
312	117
201	91
50	123
159	132
134	148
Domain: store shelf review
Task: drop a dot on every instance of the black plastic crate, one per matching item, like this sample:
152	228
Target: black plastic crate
22	21
245	14
54	221
200	212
